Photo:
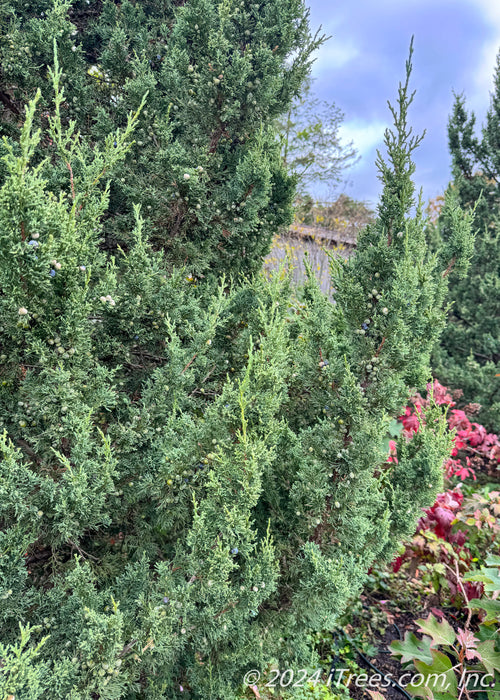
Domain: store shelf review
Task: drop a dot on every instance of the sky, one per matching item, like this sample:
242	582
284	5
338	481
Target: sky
360	66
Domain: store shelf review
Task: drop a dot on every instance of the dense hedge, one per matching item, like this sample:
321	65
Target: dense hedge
193	475
206	161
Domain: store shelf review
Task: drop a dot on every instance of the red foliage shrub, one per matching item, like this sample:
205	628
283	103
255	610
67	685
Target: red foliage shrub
455	528
470	440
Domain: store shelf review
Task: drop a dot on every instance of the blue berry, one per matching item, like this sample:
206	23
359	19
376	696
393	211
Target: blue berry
234	550
52	273
166	600
364	326
35	244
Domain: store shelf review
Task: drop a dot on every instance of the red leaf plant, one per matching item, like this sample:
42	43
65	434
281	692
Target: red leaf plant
470	439
454	527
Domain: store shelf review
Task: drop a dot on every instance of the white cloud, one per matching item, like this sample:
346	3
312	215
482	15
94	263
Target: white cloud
334	55
491	9
483	73
366	136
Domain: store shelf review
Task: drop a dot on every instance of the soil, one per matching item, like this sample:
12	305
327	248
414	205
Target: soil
383	661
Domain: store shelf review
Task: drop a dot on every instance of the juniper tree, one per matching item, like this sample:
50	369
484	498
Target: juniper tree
192	476
205	165
469	355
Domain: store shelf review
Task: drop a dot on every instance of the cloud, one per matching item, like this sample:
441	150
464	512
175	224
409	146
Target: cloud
334	55
365	135
359	68
485	66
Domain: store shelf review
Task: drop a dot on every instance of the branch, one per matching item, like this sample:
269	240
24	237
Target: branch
450	267
190	362
82	552
71	180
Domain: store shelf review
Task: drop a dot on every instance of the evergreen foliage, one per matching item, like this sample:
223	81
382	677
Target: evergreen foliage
469	355
206	164
192	477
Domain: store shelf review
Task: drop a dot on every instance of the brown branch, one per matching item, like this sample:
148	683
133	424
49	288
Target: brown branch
81	551
190	362
130	365
216	137
450	267
127	648
202	381
29	450
466	597
478	354
71	180
380	347
148	356
231	605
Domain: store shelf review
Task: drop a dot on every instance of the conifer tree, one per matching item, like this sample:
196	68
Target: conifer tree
192	477
206	164
469	354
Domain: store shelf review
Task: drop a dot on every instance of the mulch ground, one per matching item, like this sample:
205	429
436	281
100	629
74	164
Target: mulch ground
383	661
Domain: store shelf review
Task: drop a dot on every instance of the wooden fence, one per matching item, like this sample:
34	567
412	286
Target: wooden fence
315	244
323	236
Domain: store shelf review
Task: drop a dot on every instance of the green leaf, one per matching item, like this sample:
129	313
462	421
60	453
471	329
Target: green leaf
488	655
439	677
493	560
486	632
395	428
385	445
420	691
491	607
489	577
412	648
440	632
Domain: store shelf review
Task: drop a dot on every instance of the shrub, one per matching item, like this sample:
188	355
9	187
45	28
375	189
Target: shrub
206	164
193	475
469	354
